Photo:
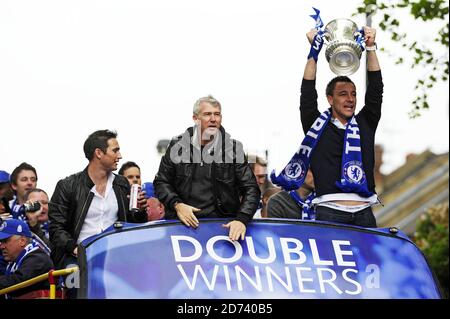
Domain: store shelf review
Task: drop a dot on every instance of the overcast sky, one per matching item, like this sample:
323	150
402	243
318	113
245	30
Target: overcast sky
68	68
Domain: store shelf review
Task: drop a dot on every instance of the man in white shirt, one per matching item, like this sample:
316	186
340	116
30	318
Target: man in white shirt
86	203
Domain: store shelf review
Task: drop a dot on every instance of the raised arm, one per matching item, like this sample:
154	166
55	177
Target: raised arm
374	92
372	59
308	94
311	64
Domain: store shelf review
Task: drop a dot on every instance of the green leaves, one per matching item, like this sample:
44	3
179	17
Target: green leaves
420	55
432	238
428	10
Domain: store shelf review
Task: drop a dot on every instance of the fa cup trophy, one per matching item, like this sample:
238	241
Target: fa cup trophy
343	50
344	44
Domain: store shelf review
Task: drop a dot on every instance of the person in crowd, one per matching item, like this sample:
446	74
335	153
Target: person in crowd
38	220
23	179
5	186
339	144
25	259
265	197
86	203
3	263
6	194
155	209
259	168
205	173
5	211
132	172
294	204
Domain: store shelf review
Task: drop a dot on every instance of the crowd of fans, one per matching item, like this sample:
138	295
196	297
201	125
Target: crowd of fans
25	225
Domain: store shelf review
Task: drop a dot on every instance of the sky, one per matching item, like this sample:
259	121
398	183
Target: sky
68	68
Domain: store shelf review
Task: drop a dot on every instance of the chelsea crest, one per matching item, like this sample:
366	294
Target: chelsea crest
354	173
295	170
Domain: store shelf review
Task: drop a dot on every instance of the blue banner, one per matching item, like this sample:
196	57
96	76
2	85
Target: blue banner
277	259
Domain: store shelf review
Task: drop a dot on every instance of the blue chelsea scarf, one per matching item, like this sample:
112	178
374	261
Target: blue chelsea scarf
353	177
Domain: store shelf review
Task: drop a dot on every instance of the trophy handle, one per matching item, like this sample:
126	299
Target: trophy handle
326	37
359	32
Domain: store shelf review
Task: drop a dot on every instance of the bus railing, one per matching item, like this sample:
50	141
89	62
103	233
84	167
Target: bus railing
50	276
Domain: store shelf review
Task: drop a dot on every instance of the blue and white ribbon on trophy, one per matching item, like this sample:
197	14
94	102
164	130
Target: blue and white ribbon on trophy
360	38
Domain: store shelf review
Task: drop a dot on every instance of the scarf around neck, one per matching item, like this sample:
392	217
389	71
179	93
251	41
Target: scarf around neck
353	177
307	212
13	266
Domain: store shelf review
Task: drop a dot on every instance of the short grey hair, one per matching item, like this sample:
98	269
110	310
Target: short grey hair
208	99
27	239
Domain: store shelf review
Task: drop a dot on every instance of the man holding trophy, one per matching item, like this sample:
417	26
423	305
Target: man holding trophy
339	143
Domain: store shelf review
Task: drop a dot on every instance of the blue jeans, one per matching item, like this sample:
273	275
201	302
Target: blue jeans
363	218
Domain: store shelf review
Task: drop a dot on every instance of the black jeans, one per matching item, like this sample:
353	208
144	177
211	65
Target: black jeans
363	218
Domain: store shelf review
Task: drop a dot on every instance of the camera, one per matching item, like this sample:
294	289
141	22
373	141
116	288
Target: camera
31	207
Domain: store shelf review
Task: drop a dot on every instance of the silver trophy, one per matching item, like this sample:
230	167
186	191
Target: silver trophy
343	52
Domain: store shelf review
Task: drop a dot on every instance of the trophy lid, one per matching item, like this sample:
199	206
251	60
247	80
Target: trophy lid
342	28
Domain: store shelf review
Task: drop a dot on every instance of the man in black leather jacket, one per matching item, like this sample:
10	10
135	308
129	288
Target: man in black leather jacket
88	202
205	173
